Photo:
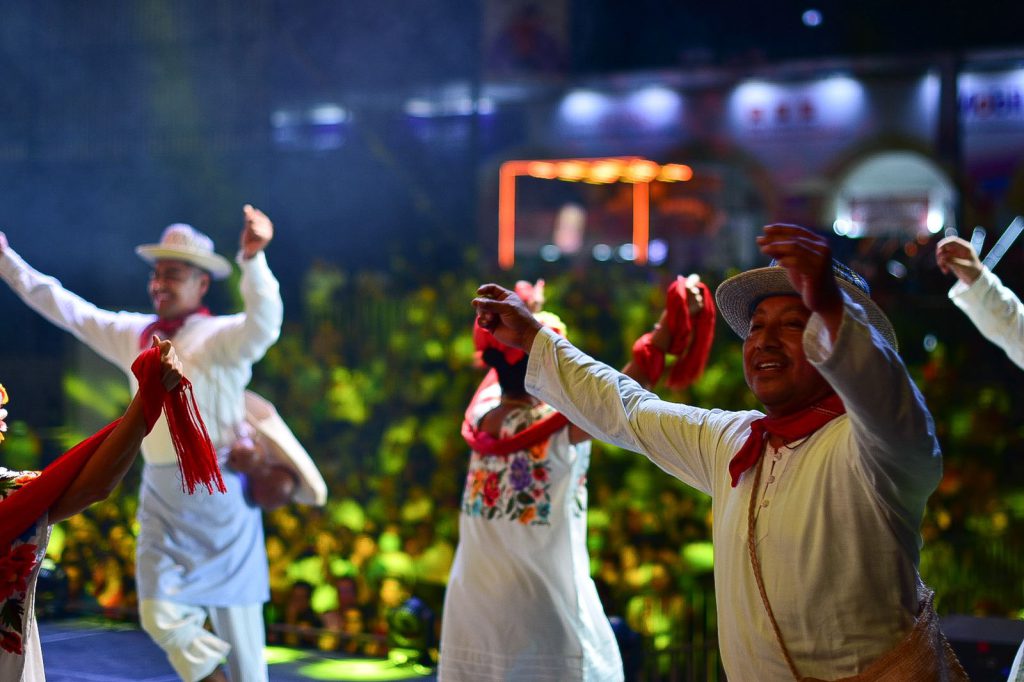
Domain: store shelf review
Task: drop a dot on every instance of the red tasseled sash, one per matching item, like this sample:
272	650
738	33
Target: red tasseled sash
196	457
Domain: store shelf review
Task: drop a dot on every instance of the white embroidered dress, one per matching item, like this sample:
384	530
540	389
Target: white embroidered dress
18	593
520	603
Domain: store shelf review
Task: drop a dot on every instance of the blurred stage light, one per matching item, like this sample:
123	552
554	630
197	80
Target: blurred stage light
604	172
930	342
571	220
675	172
602	252
542	169
896	269
550	253
641	170
571	171
327	114
812	18
583	107
656	105
657	251
936	220
841	226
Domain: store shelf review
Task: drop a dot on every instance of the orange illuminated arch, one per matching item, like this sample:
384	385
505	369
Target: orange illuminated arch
638	171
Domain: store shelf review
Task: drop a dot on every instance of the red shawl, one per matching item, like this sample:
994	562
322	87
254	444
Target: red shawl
486	444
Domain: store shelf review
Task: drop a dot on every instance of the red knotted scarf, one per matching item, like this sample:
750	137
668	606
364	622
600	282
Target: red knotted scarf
165	328
790	428
651	359
196	457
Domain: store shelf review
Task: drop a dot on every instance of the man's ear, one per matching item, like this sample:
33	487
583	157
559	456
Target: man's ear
204	285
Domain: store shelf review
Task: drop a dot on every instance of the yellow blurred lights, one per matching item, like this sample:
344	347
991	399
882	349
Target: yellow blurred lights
572	171
641	170
544	170
675	172
637	171
604	172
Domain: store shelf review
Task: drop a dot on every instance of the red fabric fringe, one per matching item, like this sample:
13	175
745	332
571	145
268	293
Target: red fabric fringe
197	460
22	508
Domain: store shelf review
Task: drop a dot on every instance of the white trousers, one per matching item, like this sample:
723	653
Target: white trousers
194	651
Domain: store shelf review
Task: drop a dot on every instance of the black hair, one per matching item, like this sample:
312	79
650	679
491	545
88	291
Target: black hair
511	377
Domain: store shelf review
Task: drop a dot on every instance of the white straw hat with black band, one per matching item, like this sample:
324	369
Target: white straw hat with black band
185	243
739	295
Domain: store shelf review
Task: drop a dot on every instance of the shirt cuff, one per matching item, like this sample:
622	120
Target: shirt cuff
967	294
544	339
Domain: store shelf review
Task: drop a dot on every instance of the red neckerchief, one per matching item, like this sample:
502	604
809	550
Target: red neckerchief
165	327
651	359
790	428
486	444
196	458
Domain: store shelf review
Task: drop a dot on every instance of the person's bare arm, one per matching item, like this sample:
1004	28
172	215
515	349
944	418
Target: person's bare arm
115	455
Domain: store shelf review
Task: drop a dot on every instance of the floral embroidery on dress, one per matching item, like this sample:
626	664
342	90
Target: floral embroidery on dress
15	568
513	487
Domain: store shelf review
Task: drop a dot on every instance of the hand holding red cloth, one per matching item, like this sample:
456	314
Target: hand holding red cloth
196	457
681	323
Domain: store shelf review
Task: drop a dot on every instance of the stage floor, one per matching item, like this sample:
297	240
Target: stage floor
96	650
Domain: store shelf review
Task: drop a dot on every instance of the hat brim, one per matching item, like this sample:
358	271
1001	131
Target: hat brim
737	295
217	265
286	450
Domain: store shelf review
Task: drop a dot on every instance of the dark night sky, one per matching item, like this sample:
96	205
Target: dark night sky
652	34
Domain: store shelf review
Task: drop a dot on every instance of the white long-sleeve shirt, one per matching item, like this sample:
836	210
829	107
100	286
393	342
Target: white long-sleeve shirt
201	549
837	531
995	311
216	352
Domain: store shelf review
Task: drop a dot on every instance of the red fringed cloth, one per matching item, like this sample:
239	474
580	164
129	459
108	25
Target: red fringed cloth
166	327
790	428
486	444
687	368
196	457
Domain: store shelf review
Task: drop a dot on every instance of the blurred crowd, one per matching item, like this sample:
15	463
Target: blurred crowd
373	373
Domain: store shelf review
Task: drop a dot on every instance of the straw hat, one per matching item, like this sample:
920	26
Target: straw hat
286	449
185	243
739	295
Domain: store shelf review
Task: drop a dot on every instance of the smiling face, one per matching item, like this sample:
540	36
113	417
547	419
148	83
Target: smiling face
774	364
176	288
